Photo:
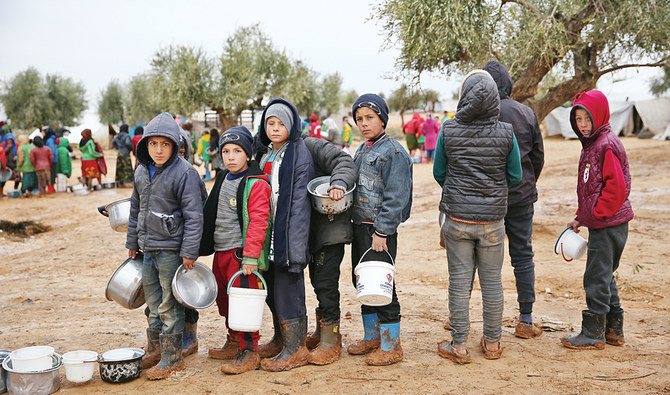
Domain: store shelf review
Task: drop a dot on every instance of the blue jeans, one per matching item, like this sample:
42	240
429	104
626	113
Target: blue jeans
470	248
165	312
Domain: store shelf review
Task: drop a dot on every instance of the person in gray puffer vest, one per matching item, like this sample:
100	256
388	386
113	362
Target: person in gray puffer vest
328	235
476	159
519	218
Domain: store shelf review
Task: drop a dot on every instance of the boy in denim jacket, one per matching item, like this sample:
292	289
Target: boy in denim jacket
382	201
166	224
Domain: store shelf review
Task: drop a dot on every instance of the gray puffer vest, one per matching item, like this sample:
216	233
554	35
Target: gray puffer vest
476	145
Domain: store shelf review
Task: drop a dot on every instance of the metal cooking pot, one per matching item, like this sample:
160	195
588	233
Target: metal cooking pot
42	382
118	212
122	371
5	174
108	185
195	288
322	203
3	372
125	285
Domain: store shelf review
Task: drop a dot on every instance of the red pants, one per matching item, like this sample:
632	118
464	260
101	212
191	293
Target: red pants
224	266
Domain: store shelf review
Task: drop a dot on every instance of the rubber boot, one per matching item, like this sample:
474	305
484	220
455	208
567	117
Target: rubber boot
390	351
190	336
275	345
294	354
244	361
592	336
330	347
228	351
370	339
153	354
313	339
50	189
614	328
208	175
171	359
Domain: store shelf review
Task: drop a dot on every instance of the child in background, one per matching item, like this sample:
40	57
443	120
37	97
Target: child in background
382	201
64	159
29	178
89	165
237	229
347	135
289	165
41	157
212	151
603	186
431	129
203	146
166	224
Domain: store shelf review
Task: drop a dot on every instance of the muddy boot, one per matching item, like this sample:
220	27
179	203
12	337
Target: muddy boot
330	346
190	336
294	354
592	336
370	339
390	351
525	330
275	345
244	361
313	339
153	354
614	328
171	359
228	351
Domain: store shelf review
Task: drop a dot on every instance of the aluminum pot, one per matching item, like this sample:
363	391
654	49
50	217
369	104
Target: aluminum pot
122	371
42	382
118	212
195	288
322	203
125	285
3	372
108	185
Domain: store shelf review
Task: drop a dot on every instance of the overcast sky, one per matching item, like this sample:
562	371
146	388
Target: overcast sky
97	41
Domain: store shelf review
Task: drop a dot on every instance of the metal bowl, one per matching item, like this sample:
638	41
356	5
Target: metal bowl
195	288
322	203
118	212
42	382
122	371
3	373
125	285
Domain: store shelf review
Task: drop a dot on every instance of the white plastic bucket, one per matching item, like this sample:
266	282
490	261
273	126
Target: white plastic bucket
79	365
570	245
32	359
245	306
61	182
374	281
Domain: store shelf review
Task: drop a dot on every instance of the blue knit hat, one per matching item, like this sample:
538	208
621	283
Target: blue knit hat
373	102
238	135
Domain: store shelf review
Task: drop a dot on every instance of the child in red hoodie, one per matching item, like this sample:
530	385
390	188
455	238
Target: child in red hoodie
603	186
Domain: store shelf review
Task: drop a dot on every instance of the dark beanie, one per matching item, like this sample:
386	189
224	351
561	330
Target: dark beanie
238	135
123	128
373	102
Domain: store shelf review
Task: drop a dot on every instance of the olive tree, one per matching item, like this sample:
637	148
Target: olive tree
141	102
567	44
110	104
662	84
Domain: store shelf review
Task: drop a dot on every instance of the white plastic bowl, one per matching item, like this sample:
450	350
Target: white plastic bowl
118	354
32	359
79	365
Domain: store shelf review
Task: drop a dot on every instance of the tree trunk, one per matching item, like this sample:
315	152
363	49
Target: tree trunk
560	94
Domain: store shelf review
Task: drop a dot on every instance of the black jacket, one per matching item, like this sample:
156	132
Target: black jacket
528	136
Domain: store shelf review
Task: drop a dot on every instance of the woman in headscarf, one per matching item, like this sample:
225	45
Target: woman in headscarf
89	166
124	165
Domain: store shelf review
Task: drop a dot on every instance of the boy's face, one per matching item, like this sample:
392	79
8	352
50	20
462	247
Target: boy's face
234	158
369	123
160	149
276	131
583	122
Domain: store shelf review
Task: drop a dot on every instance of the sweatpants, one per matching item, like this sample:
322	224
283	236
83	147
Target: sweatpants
224	266
605	247
286	293
389	314
519	230
324	272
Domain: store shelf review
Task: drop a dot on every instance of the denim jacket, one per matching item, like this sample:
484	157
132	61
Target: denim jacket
383	195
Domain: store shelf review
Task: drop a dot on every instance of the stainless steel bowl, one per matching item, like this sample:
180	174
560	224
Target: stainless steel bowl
42	382
125	285
195	288
118	212
3	373
322	203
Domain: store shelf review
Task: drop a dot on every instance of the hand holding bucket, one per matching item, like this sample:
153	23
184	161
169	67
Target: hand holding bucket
245	305
374	281
570	245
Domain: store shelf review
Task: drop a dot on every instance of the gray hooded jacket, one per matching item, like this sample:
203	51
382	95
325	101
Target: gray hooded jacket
166	210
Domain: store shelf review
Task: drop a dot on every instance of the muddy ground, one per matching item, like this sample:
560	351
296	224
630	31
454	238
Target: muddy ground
53	283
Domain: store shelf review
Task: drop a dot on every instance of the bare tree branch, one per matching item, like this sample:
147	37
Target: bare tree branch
660	63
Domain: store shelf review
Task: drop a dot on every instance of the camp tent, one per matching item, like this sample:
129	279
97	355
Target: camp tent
626	118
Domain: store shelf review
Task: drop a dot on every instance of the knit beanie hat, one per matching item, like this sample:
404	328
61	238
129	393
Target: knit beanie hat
238	135
373	102
283	112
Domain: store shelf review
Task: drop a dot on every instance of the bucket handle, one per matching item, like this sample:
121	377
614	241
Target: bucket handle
566	259
370	249
230	283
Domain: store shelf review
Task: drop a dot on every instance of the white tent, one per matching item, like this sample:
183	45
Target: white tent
104	135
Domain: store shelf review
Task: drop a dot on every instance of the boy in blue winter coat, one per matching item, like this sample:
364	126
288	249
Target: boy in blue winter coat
290	167
382	201
166	224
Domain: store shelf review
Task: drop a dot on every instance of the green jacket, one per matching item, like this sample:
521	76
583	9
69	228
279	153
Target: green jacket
24	152
88	151
64	160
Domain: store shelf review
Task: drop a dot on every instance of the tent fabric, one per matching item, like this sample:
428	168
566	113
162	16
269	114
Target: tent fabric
655	114
104	135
